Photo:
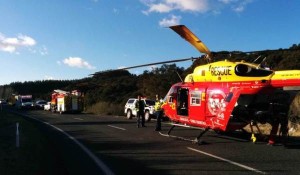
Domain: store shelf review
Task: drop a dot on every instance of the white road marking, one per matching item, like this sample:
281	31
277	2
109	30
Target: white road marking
228	161
78	118
116	127
98	162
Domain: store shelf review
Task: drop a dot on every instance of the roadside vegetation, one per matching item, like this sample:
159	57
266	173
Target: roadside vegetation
106	92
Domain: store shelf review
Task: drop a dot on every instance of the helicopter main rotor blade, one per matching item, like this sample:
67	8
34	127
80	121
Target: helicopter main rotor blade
157	63
185	33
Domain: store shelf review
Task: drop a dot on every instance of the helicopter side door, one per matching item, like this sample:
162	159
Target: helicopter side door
182	106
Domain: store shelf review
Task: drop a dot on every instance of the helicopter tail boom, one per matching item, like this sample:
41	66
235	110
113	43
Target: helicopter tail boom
286	78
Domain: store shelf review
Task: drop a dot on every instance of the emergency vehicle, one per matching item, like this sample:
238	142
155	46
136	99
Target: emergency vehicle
24	102
130	108
63	101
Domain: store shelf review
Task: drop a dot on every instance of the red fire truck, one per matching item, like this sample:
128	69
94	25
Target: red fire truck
63	101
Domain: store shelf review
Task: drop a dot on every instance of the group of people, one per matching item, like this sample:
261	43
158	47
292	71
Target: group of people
140	108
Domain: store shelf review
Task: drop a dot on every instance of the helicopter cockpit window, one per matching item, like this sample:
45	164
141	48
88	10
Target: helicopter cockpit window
245	70
170	94
195	98
170	99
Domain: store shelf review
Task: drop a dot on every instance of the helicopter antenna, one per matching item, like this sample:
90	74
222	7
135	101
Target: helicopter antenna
262	62
179	76
256	59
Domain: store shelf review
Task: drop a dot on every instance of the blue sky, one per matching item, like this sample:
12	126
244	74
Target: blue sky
70	39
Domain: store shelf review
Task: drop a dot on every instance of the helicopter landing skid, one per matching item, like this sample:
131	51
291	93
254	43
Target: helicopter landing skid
197	140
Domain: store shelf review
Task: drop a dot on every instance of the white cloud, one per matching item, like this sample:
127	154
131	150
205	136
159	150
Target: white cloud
160	8
47	77
189	5
238	9
12	44
236	5
171	21
241	5
195	6
227	1
77	62
44	50
41	50
165	6
26	40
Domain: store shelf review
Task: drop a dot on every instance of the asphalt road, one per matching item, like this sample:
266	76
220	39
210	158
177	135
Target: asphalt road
113	144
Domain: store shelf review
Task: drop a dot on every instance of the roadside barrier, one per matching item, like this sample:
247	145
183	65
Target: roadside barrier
17	135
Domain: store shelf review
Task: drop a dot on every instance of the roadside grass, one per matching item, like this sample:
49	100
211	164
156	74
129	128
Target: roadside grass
106	109
32	156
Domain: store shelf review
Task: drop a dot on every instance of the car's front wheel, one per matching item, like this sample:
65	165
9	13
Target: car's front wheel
129	114
147	116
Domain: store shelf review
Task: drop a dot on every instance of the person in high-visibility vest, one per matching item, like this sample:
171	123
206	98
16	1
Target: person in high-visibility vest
158	112
140	112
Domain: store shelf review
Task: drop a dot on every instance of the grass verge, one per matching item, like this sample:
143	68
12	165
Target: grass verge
106	108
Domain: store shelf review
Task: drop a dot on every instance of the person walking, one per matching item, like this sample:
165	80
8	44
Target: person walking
140	108
158	112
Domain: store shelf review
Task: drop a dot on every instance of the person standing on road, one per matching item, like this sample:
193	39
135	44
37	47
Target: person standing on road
158	112
140	108
280	116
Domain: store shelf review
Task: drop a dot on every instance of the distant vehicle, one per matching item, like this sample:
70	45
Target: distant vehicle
3	102
12	100
39	104
47	107
24	102
130	110
63	101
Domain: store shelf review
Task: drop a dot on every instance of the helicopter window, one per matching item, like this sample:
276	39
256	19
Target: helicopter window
195	98
245	70
170	94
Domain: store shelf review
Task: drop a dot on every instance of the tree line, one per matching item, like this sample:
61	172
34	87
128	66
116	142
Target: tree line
116	86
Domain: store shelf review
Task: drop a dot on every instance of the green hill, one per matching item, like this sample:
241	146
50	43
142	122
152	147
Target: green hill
107	91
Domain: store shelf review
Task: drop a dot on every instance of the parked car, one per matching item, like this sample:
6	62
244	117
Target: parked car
47	107
39	104
130	111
